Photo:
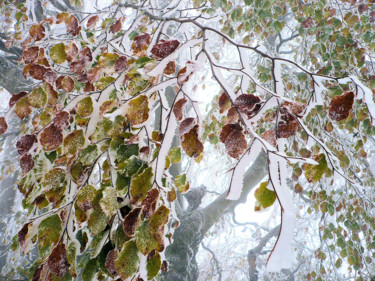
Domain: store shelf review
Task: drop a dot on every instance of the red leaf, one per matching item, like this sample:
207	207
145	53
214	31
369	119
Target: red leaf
61	120
116	27
26	163
3	125
25	143
92	21
30	54
71	52
149	203
121	64
110	262
72	25
178	109
187	125
248	104
131	221
57	261
51	138
66	83
141	42
164	48
340	106
37	32
16	97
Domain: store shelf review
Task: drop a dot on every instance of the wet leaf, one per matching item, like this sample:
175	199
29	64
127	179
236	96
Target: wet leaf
3	125
57	53
340	106
140	185
264	196
178	108
164	48
138	110
49	231
37	32
51	138
128	259
73	141
57	261
26	163
85	197
131	221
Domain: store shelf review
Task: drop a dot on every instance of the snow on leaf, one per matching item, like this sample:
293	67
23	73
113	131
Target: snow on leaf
264	196
141	42
85	197
37	32
234	140
224	103
287	126
121	63
36	71
14	98
175	155
153	266
52	94
51	138
85	107
71	52
232	115
92	21
178	109
131	221
30	55
157	222
57	261
144	238
26	163
71	257
65	83
248	104
269	136
23	237
49	231
72	25
116	27
314	173
97	221
191	143
340	106
108	202
140	185
61	120
128	259
88	155
149	203
73	141
138	110
3	125
184	74
170	68
57	53
186	126
124	151
130	167
164	48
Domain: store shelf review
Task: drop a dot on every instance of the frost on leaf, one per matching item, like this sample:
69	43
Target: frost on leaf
130	167
72	25
36	71
61	120
3	125
71	52
85	197
26	163
157	222
85	107
174	155
73	141
116	27
37	97
184	74
190	141
110	262
141	42
65	83
22	235
181	183
164	48
88	155
264	196
248	104
14	98
131	221
128	259
108	202
153	265
97	221
49	231
234	140
288	125
37	32
295	108
232	115
57	53
178	108
140	185
149	203
22	108
314	173
121	64
269	136
144	238
57	261
138	110
30	55
340	106
52	94
51	138
170	68
224	103
92	21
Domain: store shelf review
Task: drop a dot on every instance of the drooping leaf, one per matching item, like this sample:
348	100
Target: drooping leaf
85	107
57	261
51	138
14	98
73	141
131	221
57	53
264	196
128	259
49	231
140	185
138	110
157	222
178	108
340	106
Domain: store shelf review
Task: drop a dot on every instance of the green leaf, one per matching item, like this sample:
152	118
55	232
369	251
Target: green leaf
138	110
57	53
144	238
142	61
175	155
90	270
108	202
104	82
181	183
130	167
122	184
153	266
72	258
265	197
73	141
158	219
54	179
97	221
124	151
85	197
49	231
38	98
314	173
140	185
85	107
128	259
88	155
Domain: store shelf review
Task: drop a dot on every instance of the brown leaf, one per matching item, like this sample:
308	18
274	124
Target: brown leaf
340	106
287	126
170	68
116	27
16	97
30	55
3	125
26	163
57	261
71	52
37	32
110	262
72	25
66	83
232	115
36	71
164	266
145	150
248	104
138	110
149	203
131	221
269	136
51	138
85	54
362	8
295	108
25	143
89	88
22	234
61	120
191	144
164	48
121	64
141	42
92	21
22	108
93	75
187	125
50	76
178	109
234	140
53	95
227	129
224	103
78	67
307	23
